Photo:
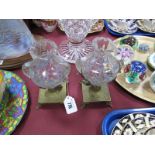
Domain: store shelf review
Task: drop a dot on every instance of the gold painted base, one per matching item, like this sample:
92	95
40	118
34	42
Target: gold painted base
51	96
95	94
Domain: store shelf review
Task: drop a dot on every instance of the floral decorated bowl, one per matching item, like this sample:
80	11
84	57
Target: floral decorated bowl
2	88
14	102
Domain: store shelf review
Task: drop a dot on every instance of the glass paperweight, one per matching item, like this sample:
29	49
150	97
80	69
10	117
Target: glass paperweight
135	72
76	46
124	54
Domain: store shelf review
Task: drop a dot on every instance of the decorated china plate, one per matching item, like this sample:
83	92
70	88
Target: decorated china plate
134	124
13	104
139	126
146	25
123	26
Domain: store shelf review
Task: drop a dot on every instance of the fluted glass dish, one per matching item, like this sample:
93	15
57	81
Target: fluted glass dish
47	72
101	44
42	47
47	69
100	68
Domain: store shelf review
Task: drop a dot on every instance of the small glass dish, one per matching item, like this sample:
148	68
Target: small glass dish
102	44
43	47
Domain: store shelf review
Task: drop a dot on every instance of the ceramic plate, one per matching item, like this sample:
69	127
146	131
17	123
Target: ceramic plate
134	124
123	26
139	126
142	90
143	24
119	127
14	103
96	28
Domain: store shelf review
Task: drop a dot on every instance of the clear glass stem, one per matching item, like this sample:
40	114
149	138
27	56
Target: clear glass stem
71	52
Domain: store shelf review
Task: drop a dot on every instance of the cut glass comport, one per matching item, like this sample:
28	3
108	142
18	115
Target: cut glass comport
100	67
47	69
76	46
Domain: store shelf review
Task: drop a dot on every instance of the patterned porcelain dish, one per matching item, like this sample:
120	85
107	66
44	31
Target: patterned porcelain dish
134	124
14	103
139	126
123	26
146	25
95	28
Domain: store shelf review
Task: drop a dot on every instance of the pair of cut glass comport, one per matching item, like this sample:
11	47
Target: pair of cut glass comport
50	65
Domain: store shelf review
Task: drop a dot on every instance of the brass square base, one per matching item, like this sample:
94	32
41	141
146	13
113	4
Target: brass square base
51	96
95	94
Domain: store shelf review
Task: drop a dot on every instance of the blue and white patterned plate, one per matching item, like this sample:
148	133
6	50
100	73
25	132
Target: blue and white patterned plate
123	26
